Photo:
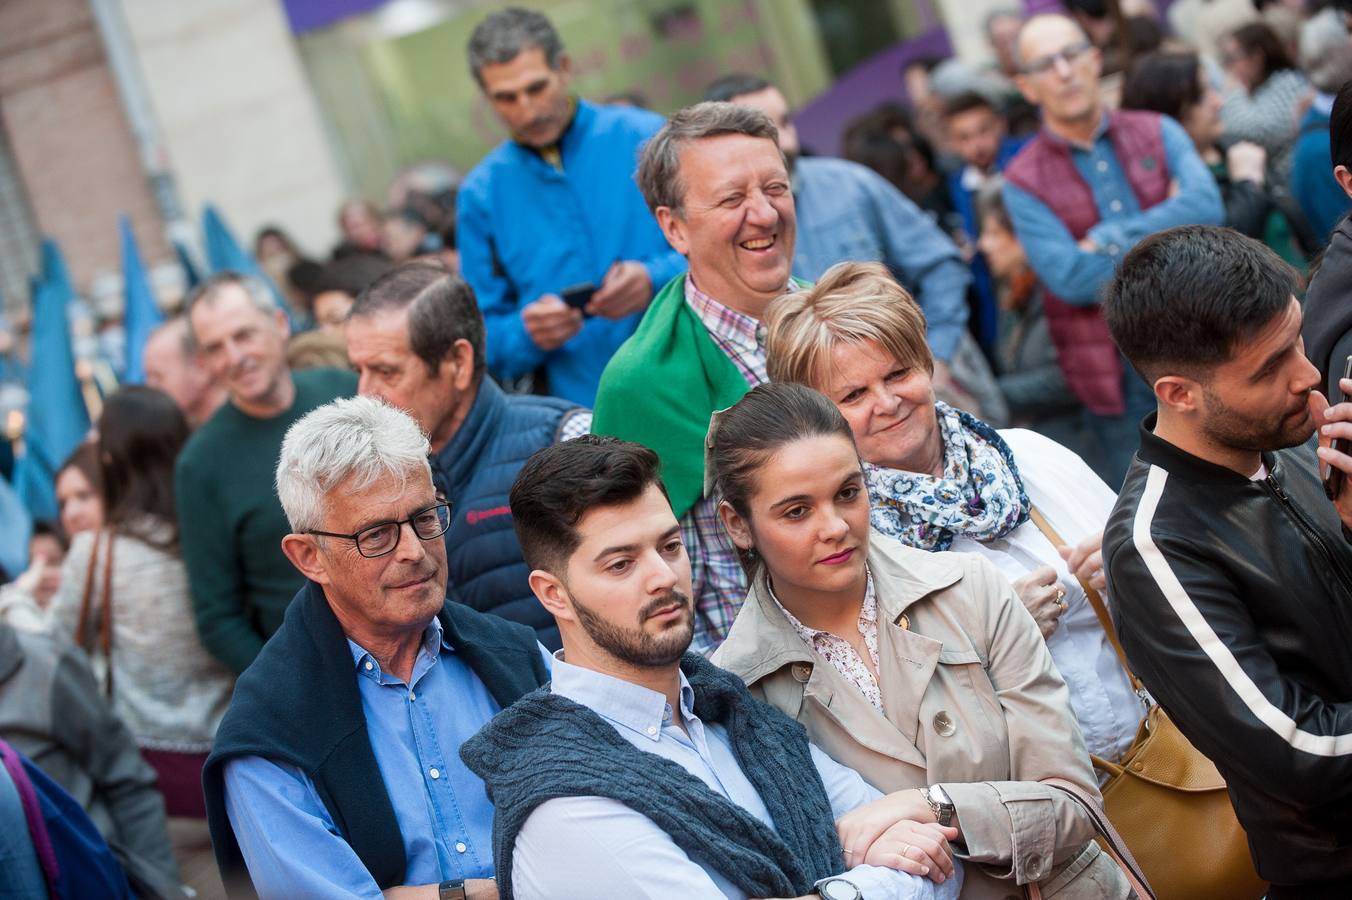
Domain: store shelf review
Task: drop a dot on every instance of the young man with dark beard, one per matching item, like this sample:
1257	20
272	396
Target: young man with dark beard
643	771
1229	568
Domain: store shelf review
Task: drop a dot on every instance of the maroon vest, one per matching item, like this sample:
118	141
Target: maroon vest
1045	169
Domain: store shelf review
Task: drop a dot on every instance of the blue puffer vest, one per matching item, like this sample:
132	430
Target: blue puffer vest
475	471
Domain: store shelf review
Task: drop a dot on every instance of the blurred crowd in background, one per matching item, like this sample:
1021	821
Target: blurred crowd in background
176	471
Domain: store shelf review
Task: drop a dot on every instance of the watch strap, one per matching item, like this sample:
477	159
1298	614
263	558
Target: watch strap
451	890
940	805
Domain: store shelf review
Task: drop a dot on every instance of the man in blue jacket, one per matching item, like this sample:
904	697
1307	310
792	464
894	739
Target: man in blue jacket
555	208
416	340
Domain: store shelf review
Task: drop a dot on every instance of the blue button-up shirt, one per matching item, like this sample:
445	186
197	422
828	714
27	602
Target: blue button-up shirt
599	848
1076	275
290	843
847	212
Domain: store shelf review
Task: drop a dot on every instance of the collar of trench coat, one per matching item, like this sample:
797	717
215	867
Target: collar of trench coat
763	642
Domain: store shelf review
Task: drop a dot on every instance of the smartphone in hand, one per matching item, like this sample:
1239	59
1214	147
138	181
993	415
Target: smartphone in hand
578	295
1333	480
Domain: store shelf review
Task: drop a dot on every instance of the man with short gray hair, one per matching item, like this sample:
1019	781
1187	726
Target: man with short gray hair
230	522
171	365
718	185
337	770
552	235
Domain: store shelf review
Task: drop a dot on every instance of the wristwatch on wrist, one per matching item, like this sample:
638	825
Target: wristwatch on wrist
940	804
837	889
451	890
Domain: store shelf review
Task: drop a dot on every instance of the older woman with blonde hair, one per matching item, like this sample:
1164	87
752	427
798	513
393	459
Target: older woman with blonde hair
940	479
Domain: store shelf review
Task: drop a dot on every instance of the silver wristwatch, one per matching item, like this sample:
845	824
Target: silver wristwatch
939	804
837	888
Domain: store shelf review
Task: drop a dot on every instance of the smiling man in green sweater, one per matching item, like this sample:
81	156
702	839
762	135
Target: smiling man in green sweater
718	185
230	520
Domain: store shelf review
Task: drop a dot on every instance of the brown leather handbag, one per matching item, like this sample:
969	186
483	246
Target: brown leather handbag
1169	802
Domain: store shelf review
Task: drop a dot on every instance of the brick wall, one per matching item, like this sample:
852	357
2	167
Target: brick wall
71	143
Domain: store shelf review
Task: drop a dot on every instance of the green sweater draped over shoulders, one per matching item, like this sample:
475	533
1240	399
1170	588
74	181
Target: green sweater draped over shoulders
661	388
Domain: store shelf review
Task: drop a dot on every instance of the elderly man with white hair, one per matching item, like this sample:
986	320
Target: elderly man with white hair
337	769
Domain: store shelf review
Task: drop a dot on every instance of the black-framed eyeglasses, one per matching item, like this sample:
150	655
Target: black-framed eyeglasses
1069	55
382	537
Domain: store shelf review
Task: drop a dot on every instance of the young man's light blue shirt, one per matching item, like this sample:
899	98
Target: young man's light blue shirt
1077	275
601	849
289	841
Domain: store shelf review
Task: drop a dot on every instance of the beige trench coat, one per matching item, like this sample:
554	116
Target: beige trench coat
972	701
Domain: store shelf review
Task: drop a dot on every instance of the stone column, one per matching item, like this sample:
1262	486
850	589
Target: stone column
71	145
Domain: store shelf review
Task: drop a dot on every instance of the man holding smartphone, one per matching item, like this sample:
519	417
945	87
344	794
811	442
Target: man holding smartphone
555	207
1230	571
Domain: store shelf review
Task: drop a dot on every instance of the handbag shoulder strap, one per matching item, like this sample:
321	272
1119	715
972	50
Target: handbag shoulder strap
1112	841
105	633
106	621
82	628
1095	599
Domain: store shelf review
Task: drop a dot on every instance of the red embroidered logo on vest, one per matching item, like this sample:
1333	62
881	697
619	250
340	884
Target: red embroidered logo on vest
475	516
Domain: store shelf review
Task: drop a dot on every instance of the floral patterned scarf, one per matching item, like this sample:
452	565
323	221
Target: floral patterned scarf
980	494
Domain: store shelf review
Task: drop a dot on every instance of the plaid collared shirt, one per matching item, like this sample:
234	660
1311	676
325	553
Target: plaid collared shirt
738	335
575	424
718	581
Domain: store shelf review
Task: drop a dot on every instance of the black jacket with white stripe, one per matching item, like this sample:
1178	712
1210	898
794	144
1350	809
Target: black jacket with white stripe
1233	600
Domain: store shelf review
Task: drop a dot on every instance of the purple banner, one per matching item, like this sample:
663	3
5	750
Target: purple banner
821	123
307	15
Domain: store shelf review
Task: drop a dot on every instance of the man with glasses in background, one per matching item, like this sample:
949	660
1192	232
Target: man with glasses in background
337	769
1080	194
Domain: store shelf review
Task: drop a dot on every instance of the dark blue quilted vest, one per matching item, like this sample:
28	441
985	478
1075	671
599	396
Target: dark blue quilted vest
475	471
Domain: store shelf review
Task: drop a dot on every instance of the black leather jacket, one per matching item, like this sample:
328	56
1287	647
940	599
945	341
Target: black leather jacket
1327	325
1233	600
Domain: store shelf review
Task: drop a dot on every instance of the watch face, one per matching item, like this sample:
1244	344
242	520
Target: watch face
838	889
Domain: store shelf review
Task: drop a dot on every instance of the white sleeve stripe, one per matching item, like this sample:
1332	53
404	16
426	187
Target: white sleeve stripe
1221	657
